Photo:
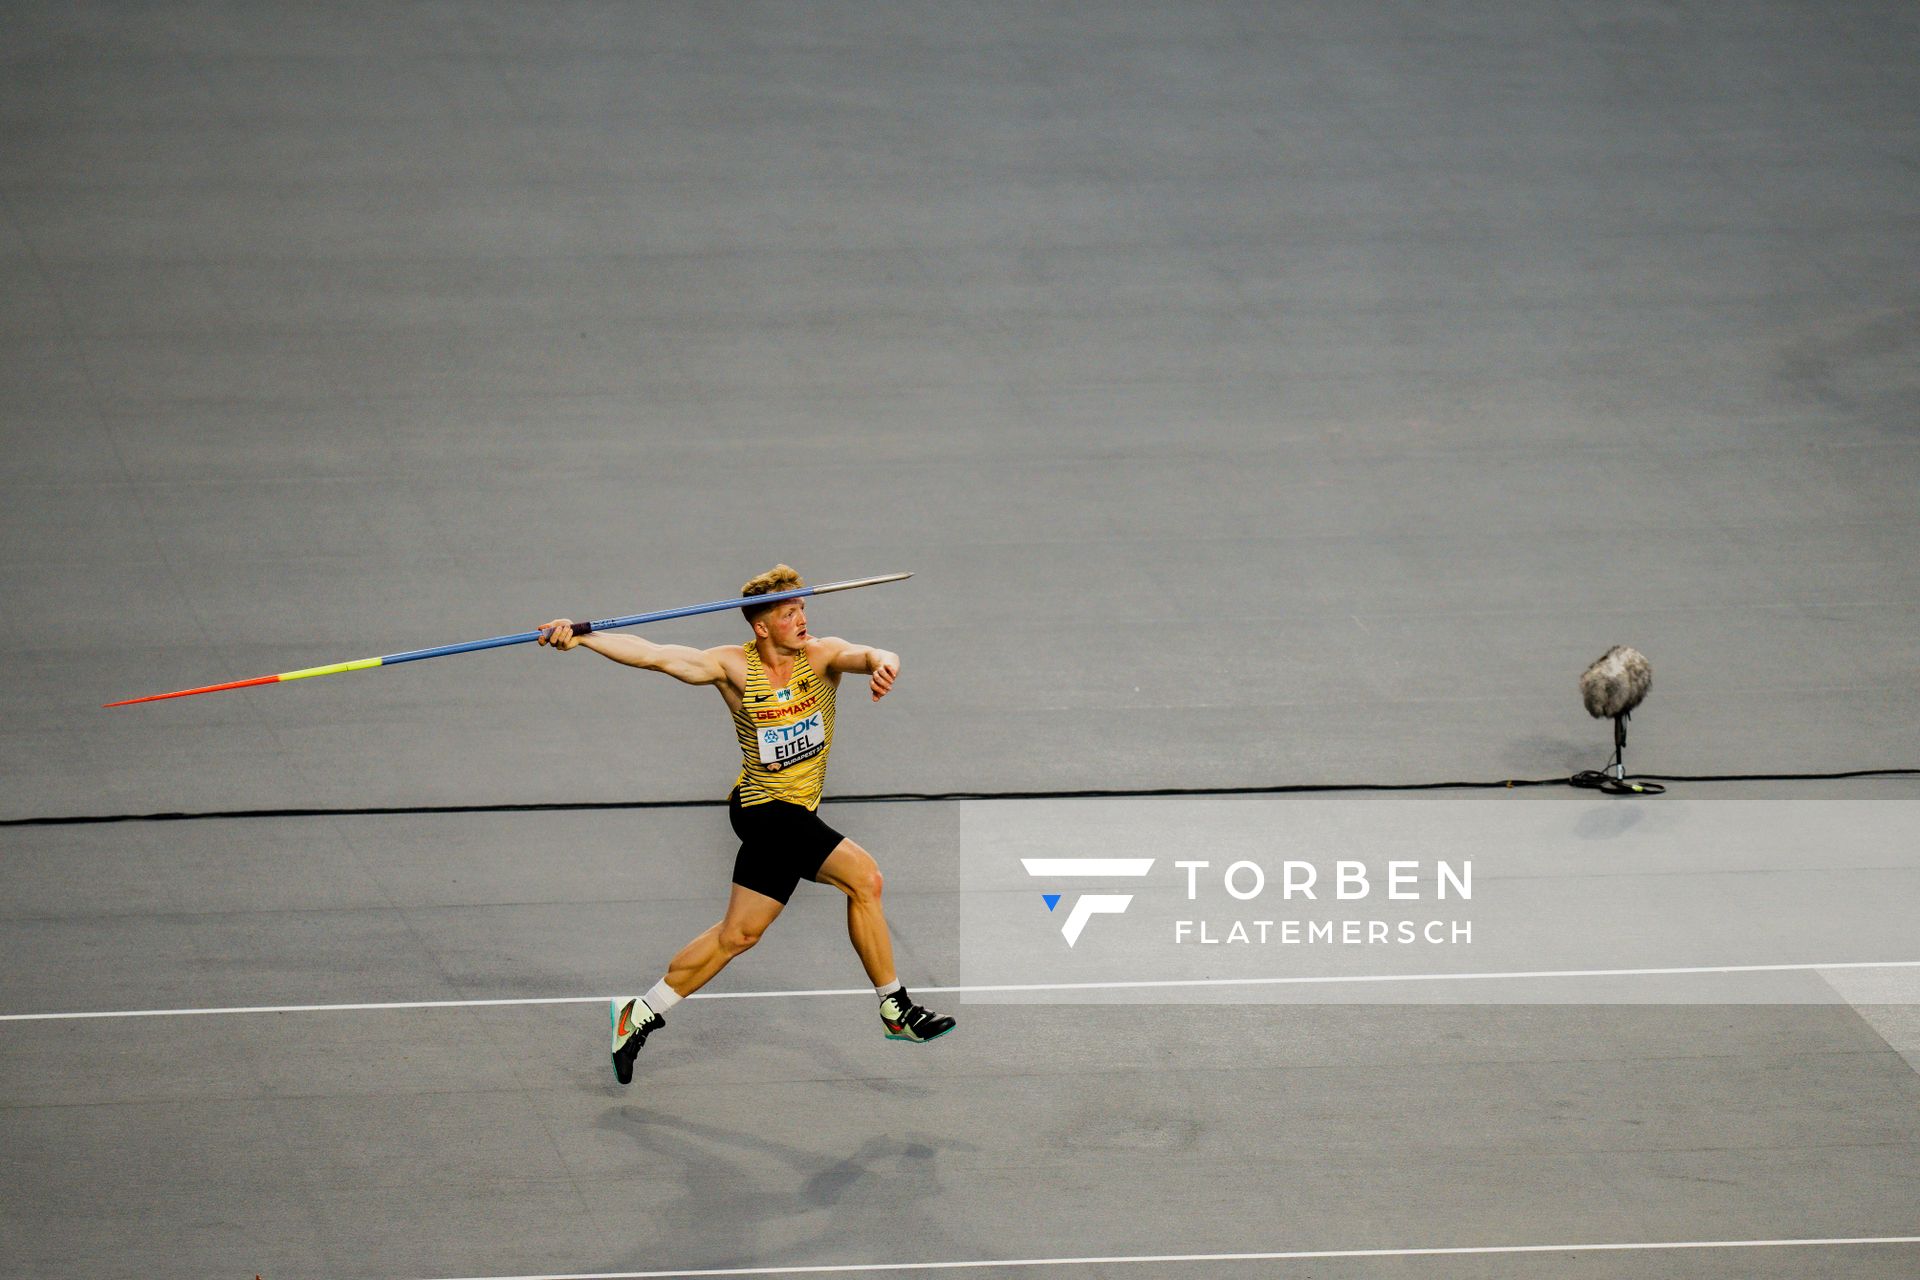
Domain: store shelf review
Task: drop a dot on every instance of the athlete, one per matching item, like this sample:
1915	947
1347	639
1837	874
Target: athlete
780	688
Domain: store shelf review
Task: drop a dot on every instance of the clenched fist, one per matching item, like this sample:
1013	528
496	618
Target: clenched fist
885	672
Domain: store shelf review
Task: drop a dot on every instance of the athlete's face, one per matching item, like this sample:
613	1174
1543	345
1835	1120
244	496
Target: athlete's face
786	624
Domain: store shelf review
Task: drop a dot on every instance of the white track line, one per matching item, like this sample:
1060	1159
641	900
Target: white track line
1140	985
1298	1255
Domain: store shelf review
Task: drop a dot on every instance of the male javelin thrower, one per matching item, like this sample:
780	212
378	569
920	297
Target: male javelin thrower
780	688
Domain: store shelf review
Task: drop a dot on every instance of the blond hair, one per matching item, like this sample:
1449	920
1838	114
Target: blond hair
781	577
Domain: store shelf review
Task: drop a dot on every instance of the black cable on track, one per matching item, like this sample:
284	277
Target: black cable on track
914	797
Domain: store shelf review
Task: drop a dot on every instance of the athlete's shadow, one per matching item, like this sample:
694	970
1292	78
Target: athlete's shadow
911	1160
738	1184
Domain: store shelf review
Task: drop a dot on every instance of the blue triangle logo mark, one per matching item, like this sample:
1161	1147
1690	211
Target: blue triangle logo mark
1051	899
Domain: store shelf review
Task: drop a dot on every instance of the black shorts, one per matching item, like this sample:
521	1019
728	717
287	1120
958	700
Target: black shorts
781	844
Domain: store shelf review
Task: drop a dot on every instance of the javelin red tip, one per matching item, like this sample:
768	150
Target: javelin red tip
181	693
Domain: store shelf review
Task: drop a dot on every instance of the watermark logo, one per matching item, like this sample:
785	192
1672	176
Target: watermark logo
1087	905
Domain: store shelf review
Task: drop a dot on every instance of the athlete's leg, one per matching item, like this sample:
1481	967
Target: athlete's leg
852	871
748	915
633	1020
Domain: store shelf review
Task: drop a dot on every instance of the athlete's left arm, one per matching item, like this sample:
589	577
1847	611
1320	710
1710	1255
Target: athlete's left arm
861	660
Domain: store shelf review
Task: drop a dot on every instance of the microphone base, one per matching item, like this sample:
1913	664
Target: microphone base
1624	787
1613	780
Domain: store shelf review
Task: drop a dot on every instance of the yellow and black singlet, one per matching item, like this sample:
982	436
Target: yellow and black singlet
785	734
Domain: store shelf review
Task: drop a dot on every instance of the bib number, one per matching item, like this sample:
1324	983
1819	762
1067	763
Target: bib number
785	744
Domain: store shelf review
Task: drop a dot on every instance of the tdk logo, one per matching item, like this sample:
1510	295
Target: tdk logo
1087	905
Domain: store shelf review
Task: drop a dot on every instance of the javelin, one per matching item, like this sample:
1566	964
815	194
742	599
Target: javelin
524	637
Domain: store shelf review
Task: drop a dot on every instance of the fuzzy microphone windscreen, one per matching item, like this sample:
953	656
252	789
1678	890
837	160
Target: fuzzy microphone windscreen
1616	683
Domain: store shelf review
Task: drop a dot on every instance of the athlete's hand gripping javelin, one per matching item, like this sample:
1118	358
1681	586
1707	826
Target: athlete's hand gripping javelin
559	634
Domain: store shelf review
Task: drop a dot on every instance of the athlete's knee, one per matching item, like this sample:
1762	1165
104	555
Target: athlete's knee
863	881
735	938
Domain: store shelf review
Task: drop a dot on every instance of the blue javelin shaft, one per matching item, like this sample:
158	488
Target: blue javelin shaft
640	619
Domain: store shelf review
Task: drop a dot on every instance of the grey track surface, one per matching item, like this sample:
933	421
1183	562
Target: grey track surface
1262	394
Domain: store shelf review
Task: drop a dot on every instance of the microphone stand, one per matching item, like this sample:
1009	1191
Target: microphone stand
1613	780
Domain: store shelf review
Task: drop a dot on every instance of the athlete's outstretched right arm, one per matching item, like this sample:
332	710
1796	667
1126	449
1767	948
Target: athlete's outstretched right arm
688	665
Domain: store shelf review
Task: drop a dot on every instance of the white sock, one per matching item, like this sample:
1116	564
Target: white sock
890	988
661	998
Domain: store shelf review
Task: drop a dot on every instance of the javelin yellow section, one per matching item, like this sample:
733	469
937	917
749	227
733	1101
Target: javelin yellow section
358	664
